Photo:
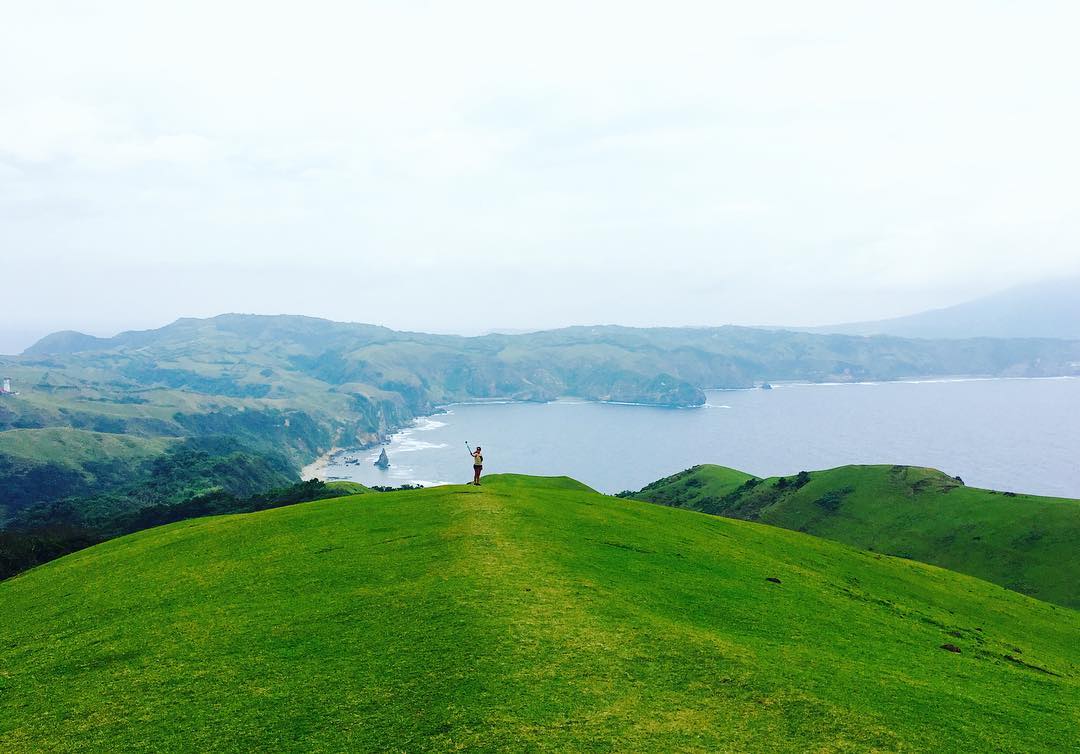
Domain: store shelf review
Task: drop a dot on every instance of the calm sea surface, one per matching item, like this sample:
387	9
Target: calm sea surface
1007	434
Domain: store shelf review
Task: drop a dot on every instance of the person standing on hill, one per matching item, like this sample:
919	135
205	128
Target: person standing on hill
478	464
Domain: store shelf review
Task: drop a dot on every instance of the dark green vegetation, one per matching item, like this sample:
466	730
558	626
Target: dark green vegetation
85	487
527	614
75	491
32	541
40	465
1023	542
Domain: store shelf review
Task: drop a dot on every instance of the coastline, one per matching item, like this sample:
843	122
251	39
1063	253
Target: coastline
317	468
564	399
916	380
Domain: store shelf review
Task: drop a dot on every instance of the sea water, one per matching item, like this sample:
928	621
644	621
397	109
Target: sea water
1008	434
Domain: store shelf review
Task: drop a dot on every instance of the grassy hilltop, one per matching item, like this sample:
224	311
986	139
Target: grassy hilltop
1024	542
528	614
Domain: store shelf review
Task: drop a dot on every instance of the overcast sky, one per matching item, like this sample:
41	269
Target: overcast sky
462	166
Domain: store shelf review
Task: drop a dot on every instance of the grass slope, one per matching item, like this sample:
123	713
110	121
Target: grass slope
74	447
527	614
1023	542
353	488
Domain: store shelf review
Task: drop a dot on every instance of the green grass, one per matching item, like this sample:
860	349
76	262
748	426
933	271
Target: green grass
524	615
353	488
75	447
1023	542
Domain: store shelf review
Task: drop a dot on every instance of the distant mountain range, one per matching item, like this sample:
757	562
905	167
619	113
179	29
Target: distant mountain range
1048	309
247	356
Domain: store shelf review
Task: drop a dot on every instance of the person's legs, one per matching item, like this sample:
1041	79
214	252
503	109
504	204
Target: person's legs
476	474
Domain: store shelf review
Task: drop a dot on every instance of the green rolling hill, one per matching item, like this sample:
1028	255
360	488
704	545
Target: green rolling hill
1023	542
352	488
76	447
525	615
61	461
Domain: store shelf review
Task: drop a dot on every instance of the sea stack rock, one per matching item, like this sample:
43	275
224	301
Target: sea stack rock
383	462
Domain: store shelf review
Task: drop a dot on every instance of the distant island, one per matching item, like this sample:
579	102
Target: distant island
1049	309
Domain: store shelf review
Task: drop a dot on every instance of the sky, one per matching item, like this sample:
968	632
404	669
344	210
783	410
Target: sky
466	166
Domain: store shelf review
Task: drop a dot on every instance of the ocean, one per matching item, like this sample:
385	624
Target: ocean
1020	435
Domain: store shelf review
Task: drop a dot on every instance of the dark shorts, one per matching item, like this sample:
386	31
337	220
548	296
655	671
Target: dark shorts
477	467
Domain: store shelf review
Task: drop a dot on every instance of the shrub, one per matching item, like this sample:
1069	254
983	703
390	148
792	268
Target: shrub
385	488
832	499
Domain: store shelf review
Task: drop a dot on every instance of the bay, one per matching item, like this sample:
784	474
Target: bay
1020	435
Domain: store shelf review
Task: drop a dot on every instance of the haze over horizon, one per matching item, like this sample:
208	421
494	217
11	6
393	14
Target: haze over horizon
478	166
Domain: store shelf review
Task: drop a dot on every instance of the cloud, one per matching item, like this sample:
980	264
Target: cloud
547	163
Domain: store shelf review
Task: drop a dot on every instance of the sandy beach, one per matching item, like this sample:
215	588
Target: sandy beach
317	468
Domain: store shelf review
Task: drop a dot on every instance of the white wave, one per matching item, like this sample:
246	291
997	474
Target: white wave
426	424
641	405
783	385
409	445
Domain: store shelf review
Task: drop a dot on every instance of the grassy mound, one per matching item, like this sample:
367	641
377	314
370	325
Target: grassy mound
521	615
353	488
1023	542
